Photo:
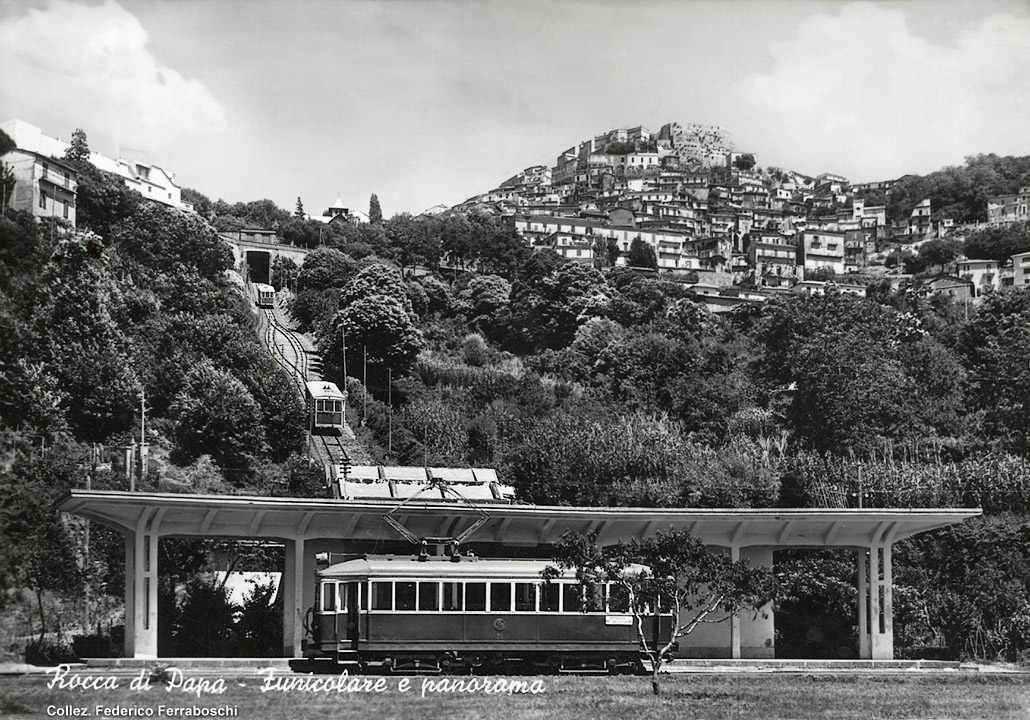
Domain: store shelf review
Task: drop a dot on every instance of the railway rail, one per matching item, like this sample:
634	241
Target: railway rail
296	361
333	449
288	351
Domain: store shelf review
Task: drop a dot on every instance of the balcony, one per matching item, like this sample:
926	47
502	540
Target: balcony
57	179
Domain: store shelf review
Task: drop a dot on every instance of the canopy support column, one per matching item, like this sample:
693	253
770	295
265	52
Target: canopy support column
863	604
876	593
141	574
292	587
735	617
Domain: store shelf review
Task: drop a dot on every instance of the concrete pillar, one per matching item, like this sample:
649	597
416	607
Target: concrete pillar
881	619
292	587
141	573
129	649
863	604
758	630
735	617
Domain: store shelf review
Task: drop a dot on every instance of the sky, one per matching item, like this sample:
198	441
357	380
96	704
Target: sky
428	102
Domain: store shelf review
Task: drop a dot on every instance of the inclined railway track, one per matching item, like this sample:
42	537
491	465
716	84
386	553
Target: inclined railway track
288	351
333	449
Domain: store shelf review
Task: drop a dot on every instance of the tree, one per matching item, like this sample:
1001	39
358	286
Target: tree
376	279
7	183
998	243
102	200
214	414
414	241
379	325
671	570
744	162
995	346
284	272
326	268
78	150
486	297
6	143
164	240
37	548
554	298
641	255
299	212
201	202
375	212
455	238
846	372
302	233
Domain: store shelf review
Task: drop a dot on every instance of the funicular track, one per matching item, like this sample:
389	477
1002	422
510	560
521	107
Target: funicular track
289	352
333	449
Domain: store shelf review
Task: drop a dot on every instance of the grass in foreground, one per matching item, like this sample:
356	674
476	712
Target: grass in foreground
713	697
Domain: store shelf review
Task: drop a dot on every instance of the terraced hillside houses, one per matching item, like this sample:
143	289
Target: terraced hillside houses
704	207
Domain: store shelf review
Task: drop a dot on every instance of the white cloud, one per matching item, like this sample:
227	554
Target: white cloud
71	65
859	92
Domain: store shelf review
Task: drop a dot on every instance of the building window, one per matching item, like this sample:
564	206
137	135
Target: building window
42	200
65	211
46	169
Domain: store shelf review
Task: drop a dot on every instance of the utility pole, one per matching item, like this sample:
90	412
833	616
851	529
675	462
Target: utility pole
343	337
389	401
142	433
364	380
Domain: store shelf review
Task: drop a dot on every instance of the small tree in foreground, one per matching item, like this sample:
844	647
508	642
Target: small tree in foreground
673	571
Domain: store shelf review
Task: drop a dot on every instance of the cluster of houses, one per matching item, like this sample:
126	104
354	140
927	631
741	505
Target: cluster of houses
706	210
47	186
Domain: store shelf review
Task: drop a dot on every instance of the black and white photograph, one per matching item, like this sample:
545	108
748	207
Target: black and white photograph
454	359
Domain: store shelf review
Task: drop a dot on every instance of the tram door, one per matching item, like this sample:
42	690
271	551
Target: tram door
338	614
347	623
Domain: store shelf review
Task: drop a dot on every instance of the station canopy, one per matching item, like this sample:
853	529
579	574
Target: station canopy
239	516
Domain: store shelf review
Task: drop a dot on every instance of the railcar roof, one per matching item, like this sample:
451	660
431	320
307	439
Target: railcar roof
387	566
323	389
394	566
264	288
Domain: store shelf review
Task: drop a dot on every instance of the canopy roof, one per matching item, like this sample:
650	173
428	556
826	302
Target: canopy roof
238	516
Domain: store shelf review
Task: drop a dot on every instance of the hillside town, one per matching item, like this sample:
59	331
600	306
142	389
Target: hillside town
733	230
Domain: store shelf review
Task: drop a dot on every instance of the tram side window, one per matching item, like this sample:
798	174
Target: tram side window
571	597
452	595
525	597
405	596
382	596
363	593
475	596
428	596
549	597
500	596
618	598
328	597
595	598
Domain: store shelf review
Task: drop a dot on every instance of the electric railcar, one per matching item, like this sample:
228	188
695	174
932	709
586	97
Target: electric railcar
265	295
434	614
325	406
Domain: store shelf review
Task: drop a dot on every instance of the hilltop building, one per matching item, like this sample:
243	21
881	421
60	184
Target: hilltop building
43	186
150	181
1006	209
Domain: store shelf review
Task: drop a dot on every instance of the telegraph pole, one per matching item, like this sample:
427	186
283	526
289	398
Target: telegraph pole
142	433
364	380
343	336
